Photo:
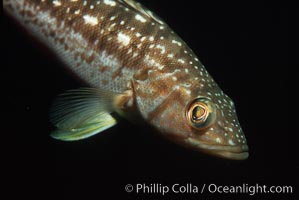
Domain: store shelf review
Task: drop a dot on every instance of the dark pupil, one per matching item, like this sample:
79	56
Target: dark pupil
197	113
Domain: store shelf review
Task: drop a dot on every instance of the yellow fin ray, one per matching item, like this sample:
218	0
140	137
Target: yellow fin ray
97	124
81	113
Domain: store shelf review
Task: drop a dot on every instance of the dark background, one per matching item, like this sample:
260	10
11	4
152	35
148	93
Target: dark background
244	46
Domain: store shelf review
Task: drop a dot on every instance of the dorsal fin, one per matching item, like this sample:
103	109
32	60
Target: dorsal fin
141	10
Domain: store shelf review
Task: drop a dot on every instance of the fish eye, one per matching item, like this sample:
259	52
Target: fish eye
201	113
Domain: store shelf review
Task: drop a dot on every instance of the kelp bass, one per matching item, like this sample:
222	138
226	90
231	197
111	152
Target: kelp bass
136	67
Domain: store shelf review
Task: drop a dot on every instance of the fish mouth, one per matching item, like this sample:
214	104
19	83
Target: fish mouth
238	152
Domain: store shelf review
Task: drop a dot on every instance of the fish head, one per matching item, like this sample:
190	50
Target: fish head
214	126
193	114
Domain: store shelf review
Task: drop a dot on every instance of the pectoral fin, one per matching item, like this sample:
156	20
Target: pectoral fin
81	113
97	124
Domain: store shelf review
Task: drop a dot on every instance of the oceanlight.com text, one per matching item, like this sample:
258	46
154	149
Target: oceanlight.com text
212	188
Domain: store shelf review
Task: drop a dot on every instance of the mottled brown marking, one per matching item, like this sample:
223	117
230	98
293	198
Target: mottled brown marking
103	69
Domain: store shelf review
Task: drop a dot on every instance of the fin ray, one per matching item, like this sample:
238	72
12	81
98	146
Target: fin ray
81	113
100	123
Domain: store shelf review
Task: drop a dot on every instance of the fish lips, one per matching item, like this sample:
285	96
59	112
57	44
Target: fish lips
237	152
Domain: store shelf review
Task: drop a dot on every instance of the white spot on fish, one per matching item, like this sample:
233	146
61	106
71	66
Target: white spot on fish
122	22
138	34
177	87
140	18
151	38
188	92
139	45
170	55
218	140
143	38
150	61
90	20
177	42
109	2
135	54
181	61
174	78
108	60
162	48
231	142
56	3
111	26
123	38
129	51
77	12
231	103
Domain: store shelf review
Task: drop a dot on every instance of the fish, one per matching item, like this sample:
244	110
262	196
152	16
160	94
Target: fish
136	67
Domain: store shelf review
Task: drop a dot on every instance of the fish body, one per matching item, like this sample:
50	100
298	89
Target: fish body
137	67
